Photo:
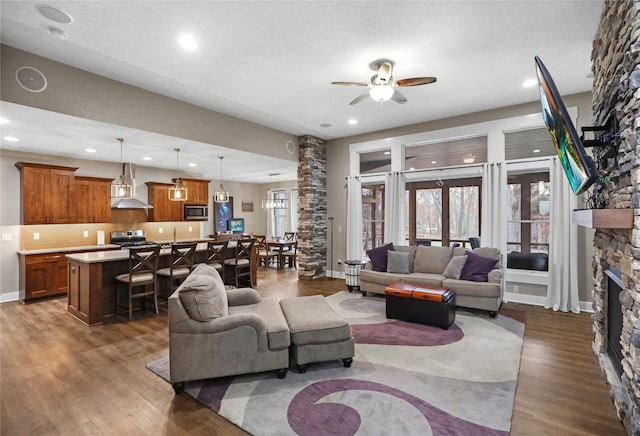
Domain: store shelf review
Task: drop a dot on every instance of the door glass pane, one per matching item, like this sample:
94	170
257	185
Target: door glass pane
514	212
372	216
429	214
464	213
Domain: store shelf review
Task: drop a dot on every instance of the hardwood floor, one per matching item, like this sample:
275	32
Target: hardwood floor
61	377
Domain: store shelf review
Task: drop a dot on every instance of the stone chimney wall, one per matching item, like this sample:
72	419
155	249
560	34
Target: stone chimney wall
616	50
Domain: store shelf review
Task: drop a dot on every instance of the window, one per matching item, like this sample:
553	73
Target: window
528	215
443	212
372	216
375	162
450	153
283	220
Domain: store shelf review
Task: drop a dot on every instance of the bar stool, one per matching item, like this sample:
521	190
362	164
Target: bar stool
182	257
143	264
241	263
216	253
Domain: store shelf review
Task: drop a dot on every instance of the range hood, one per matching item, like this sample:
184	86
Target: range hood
129	171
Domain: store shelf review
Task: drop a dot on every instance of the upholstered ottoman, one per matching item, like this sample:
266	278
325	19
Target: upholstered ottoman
318	334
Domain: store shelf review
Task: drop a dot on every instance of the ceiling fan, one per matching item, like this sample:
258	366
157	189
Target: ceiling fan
382	86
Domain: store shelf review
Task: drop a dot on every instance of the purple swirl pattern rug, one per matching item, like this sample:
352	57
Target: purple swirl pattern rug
405	379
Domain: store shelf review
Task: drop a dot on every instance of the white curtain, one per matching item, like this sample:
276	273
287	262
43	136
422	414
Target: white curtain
355	244
394	207
494	206
292	216
562	291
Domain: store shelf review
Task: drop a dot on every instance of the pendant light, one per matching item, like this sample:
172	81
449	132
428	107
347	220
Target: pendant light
275	203
120	188
221	196
178	192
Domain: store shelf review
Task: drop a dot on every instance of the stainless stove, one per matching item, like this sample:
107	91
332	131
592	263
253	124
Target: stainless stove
131	238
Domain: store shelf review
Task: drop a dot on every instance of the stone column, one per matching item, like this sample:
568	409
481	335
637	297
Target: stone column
312	208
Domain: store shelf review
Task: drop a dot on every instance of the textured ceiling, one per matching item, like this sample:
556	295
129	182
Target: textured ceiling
272	62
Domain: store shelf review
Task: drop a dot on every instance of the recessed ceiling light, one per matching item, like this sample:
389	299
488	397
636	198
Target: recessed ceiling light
193	164
146	158
90	150
387	152
529	83
11	139
3	120
188	42
352	121
536	150
54	14
433	161
412	168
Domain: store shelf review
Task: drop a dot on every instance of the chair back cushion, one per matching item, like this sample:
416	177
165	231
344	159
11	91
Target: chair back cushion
203	295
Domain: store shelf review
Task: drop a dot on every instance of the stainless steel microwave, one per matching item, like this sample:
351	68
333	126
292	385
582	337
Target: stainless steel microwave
196	212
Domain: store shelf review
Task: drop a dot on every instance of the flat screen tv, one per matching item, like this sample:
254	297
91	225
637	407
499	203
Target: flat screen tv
578	166
236	225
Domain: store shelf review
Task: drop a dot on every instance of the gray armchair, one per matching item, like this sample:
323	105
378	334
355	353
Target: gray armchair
217	333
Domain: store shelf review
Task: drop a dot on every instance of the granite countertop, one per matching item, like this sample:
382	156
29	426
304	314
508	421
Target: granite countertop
67	249
113	255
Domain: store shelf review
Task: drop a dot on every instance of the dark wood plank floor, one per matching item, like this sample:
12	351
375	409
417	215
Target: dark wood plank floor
61	377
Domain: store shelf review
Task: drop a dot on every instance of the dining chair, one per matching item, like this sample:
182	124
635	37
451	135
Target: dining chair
241	263
289	236
143	265
180	266
290	256
265	253
216	254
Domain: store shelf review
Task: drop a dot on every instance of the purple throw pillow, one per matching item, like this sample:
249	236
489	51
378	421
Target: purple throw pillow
378	256
477	267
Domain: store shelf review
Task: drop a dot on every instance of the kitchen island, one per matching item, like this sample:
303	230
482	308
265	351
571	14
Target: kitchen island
91	279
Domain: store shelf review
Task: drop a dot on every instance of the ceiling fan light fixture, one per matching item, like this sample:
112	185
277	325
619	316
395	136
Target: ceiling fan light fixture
381	92
178	192
468	158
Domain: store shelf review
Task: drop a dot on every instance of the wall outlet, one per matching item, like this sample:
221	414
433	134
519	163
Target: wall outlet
160	230
7	236
85	233
36	236
339	229
516	289
190	229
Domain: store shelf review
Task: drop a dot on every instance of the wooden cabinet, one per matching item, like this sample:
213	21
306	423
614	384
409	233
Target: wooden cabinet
198	191
47	194
42	275
93	199
163	208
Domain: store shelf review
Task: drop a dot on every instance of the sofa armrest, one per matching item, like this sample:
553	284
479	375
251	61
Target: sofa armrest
495	276
224	324
368	265
243	297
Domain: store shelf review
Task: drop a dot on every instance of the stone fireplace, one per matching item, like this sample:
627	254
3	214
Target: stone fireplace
616	262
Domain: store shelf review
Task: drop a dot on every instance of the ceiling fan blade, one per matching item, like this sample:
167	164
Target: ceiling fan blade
398	97
415	81
350	83
359	99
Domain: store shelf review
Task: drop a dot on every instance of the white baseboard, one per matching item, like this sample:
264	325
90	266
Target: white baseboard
9	296
335	274
536	300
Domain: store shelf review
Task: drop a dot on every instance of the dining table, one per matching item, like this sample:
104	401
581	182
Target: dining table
280	245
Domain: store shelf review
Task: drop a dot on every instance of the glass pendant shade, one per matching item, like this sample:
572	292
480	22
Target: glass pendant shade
178	192
120	189
275	203
381	92
221	195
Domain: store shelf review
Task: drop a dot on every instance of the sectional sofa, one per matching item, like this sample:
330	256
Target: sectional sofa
476	276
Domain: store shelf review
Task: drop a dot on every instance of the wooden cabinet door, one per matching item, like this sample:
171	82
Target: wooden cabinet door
84	199
60	276
35	195
93	200
198	191
62	192
38	278
163	208
102	201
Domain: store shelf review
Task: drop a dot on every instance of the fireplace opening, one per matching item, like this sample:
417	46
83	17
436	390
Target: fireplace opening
614	318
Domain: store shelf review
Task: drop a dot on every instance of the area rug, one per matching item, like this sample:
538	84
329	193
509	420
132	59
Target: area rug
406	379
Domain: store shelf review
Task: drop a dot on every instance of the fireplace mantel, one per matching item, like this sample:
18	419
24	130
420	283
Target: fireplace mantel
603	218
